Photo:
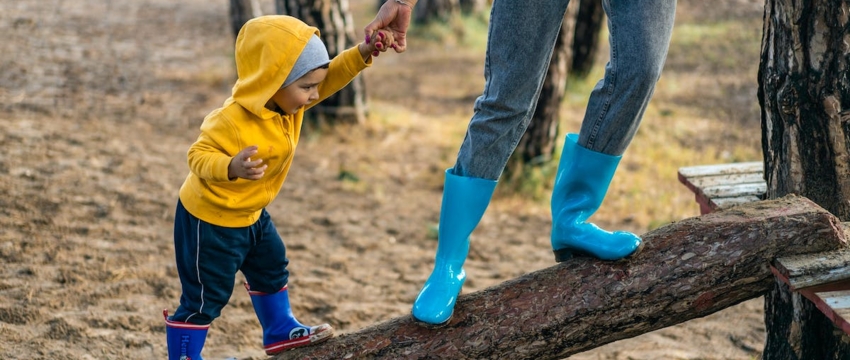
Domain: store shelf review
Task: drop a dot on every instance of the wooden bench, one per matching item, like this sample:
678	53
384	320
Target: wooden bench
721	186
822	278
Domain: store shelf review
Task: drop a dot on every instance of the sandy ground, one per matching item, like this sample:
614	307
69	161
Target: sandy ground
99	101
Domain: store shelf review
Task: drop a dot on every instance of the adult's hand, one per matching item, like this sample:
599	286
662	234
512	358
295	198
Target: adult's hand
394	16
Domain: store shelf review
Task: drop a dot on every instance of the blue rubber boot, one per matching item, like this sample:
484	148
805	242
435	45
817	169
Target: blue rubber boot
464	201
185	340
281	331
580	186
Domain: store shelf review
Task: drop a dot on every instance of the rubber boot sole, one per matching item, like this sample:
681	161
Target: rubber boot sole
325	333
434	326
562	255
430	325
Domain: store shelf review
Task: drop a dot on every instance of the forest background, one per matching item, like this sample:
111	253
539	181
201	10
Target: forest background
99	101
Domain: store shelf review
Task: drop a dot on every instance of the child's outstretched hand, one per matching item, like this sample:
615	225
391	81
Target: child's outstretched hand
241	165
380	41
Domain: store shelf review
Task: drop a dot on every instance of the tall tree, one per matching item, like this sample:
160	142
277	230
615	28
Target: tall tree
804	93
334	20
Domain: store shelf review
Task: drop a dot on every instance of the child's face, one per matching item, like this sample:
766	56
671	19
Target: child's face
301	92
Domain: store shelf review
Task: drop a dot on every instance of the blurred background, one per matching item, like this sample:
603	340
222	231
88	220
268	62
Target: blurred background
100	100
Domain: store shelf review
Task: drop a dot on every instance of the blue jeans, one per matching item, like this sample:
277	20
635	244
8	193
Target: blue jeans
521	39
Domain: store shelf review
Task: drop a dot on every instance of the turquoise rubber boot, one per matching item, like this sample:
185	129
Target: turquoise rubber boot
281	331
580	186
464	201
185	340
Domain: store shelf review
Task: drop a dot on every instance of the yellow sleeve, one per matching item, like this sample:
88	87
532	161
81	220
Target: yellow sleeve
208	156
342	69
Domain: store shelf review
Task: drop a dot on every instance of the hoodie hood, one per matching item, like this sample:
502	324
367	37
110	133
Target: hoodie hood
267	48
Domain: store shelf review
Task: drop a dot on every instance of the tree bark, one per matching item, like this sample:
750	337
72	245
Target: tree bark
537	145
803	93
334	20
586	37
689	269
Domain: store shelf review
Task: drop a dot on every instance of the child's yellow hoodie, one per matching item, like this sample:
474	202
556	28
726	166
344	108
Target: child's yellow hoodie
266	50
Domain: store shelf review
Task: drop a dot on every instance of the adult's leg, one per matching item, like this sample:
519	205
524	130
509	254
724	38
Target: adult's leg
519	46
639	37
640	34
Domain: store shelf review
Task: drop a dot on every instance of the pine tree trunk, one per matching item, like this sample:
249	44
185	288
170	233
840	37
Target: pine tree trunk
334	20
803	89
586	39
537	145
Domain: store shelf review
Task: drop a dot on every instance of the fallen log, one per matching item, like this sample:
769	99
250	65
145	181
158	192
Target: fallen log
688	269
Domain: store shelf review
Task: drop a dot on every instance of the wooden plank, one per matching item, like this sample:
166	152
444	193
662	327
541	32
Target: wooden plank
724	185
722	169
723	203
721	191
819	269
834	304
707	204
733	179
823	278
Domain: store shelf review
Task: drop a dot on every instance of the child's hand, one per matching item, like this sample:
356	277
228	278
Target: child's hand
380	41
241	165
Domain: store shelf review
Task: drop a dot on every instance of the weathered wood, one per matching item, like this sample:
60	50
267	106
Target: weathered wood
836	306
730	179
729	202
797	329
823	278
687	270
814	270
724	185
725	191
722	169
832	298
